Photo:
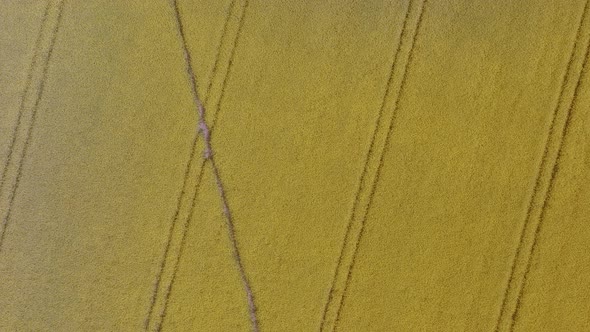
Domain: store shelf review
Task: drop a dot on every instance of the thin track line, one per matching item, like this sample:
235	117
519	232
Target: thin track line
28	83
32	124
380	165
188	168
218	57
542	166
378	171
208	155
155	292
365	167
181	250
234	247
554	171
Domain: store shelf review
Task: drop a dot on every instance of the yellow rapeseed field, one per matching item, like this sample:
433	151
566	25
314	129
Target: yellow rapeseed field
337	165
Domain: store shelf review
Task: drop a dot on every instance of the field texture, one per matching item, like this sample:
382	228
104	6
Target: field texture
337	165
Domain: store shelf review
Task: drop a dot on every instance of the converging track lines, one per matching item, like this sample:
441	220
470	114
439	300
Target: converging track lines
208	157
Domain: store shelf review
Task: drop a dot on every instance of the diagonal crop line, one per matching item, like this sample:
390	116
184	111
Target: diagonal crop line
554	172
28	84
537	187
29	134
341	266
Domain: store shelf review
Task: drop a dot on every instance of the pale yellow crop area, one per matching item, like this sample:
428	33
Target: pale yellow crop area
379	165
